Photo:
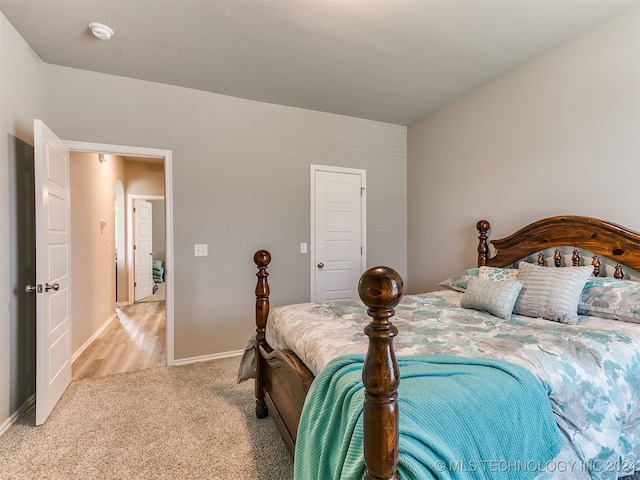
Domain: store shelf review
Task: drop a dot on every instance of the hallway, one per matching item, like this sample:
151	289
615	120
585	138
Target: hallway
135	340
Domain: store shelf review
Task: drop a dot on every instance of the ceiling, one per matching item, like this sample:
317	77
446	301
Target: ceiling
393	61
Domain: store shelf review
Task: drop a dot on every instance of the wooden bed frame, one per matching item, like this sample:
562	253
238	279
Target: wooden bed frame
282	380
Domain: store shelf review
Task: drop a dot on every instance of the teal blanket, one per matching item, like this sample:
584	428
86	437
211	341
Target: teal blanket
460	418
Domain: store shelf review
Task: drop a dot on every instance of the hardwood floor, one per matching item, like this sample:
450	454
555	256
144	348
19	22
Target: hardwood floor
135	340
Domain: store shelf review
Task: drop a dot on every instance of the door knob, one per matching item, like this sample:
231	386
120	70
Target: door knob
321	265
33	288
55	287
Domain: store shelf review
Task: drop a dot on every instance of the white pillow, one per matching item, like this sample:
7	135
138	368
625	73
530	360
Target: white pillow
551	292
492	296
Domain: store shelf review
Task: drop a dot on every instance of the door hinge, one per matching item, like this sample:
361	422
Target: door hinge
134	247
362	189
134	209
135	284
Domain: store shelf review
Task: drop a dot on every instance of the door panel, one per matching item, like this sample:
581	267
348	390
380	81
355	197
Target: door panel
338	259
53	323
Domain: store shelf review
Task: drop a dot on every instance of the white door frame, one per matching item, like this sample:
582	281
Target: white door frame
128	151
312	217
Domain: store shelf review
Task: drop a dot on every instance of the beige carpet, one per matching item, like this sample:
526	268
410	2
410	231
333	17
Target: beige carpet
188	422
185	422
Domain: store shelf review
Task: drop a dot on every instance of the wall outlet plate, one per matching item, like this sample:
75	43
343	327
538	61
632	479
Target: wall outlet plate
200	250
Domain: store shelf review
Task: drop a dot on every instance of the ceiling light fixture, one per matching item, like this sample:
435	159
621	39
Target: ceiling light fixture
101	31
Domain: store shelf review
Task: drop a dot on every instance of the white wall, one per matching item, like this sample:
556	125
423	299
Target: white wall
21	74
93	255
145	178
558	136
158	232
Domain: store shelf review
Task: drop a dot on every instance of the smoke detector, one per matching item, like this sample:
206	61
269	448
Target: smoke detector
101	31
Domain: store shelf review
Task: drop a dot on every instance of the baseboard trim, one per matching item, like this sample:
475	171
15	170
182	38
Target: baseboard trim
12	419
86	344
204	358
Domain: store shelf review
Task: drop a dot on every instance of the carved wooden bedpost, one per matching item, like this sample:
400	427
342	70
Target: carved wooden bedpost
557	257
575	258
483	248
596	266
380	289
261	259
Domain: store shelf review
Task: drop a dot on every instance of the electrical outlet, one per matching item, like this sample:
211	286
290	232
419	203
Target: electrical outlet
303	248
200	250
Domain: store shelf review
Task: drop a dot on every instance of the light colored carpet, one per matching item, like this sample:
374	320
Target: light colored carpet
187	422
159	296
183	422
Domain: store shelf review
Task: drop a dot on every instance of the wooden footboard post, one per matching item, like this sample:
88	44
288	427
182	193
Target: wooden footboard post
380	289
483	247
262	258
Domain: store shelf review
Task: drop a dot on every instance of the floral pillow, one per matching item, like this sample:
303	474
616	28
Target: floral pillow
459	282
611	298
498	274
491	296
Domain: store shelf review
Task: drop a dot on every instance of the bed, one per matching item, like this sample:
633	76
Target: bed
601	436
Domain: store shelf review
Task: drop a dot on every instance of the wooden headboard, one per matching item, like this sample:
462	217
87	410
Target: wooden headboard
598	236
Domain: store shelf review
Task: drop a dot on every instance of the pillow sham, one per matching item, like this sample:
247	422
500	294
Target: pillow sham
552	293
498	274
459	281
496	297
611	298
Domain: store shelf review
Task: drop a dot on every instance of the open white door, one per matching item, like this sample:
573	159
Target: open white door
338	232
142	248
53	307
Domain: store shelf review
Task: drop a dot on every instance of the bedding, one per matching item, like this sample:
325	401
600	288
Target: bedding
465	397
611	298
498	274
460	281
591	370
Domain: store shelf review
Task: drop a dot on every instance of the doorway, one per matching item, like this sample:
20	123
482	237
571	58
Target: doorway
122	335
338	231
165	159
146	224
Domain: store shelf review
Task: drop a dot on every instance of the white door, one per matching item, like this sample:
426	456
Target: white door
142	247
53	299
338	232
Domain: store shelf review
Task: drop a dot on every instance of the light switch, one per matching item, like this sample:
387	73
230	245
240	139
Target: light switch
200	250
303	248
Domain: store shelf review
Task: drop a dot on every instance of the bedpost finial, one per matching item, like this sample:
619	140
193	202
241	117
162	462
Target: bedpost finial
483	226
262	258
483	248
380	288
